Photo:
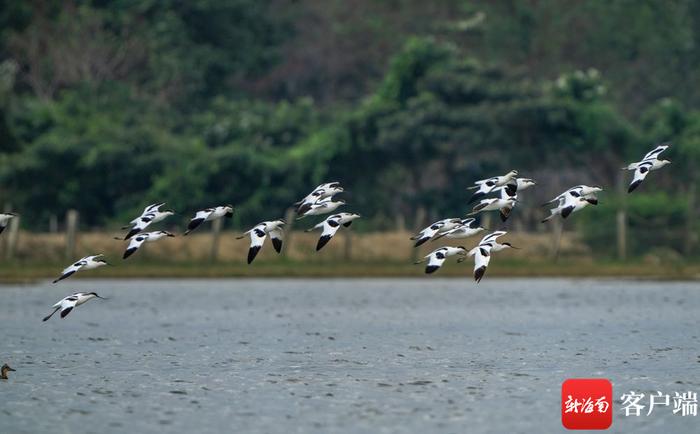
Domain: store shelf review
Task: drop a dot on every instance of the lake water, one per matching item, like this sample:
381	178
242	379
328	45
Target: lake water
325	356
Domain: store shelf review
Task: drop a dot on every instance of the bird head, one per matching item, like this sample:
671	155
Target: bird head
462	250
167	234
510	246
513	173
95	294
169	212
6	368
664	162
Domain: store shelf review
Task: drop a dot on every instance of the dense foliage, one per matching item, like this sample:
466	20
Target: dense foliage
108	105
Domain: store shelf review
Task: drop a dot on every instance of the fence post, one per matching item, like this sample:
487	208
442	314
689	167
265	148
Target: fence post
53	224
71	232
621	218
289	223
348	245
12	236
216	235
418	225
557	231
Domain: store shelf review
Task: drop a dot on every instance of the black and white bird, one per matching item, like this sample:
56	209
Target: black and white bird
5	219
331	225
504	204
323	191
573	200
258	234
524	183
322	206
144	237
429	232
209	214
86	263
437	257
465	229
482	252
67	304
650	162
151	214
486	186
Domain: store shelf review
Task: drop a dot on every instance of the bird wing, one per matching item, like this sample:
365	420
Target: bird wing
484	187
640	173
428	233
134	244
277	237
469	222
654	154
482	257
198	219
330	227
505	211
257	239
491	237
435	260
67	304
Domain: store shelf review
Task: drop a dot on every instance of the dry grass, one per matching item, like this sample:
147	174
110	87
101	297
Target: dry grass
300	246
348	255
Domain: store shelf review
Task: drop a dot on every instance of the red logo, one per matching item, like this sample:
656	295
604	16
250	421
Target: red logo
586	403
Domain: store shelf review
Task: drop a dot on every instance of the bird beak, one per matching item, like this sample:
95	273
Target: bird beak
171	235
516	248
10	369
103	298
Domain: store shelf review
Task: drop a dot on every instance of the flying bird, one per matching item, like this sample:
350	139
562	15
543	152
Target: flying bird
321	206
465	229
331	225
524	183
429	232
323	191
504	204
260	232
151	214
482	252
649	162
4	370
209	214
145	237
486	186
573	200
67	304
437	257
86	263
5	220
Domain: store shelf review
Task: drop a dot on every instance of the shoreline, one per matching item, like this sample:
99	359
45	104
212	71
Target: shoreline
31	272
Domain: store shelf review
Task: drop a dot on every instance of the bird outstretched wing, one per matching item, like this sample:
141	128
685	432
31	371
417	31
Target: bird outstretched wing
134	245
330	227
277	237
654	154
198	219
640	173
435	260
257	239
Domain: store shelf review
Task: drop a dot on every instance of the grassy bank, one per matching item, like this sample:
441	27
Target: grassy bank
30	272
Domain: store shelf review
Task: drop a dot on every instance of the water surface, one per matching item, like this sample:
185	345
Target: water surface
346	356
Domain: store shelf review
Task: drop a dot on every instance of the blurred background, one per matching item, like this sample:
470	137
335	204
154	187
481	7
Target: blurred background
107	106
